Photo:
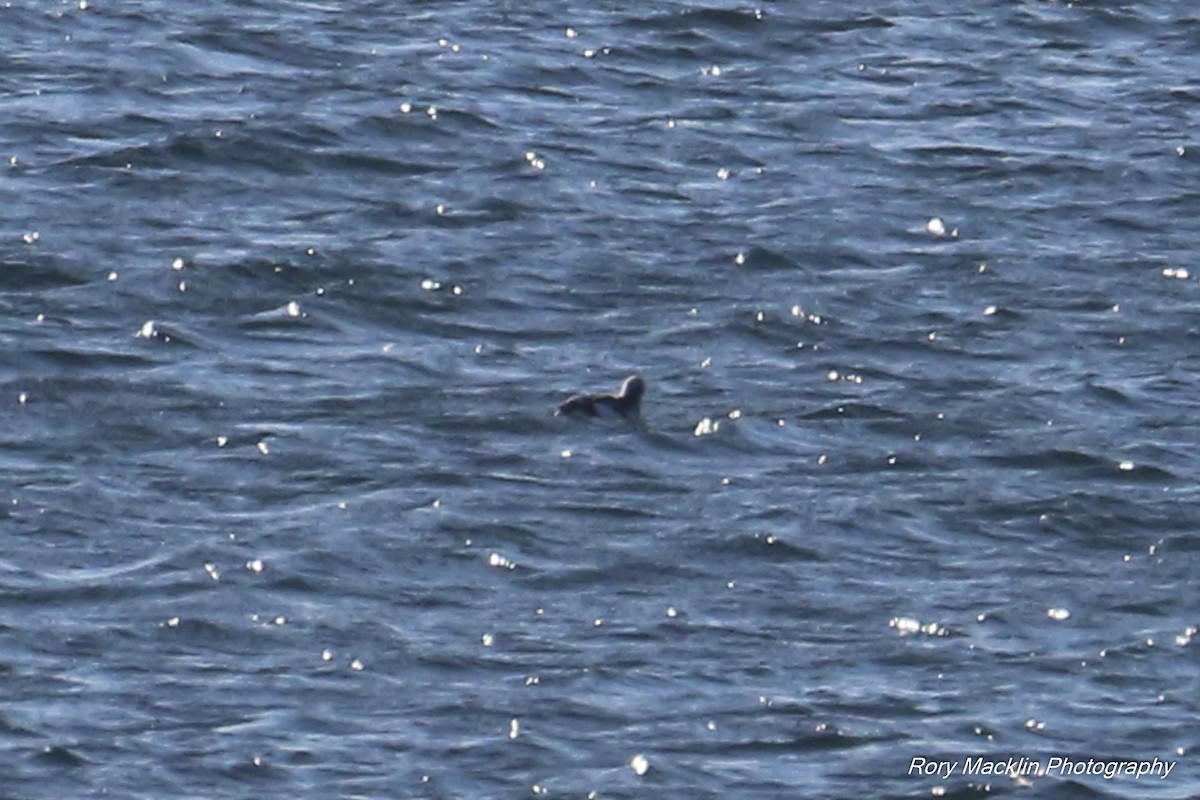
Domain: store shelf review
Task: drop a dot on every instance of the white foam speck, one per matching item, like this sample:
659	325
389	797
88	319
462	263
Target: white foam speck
497	560
908	626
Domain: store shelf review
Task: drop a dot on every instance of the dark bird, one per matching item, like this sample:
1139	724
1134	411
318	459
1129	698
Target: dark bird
626	404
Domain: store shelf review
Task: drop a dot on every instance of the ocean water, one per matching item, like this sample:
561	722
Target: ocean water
289	294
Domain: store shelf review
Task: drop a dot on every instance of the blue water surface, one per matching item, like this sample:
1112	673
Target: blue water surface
289	293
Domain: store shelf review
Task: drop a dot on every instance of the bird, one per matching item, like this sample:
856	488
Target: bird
626	404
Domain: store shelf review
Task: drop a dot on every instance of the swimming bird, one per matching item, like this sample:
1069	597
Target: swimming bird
626	404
